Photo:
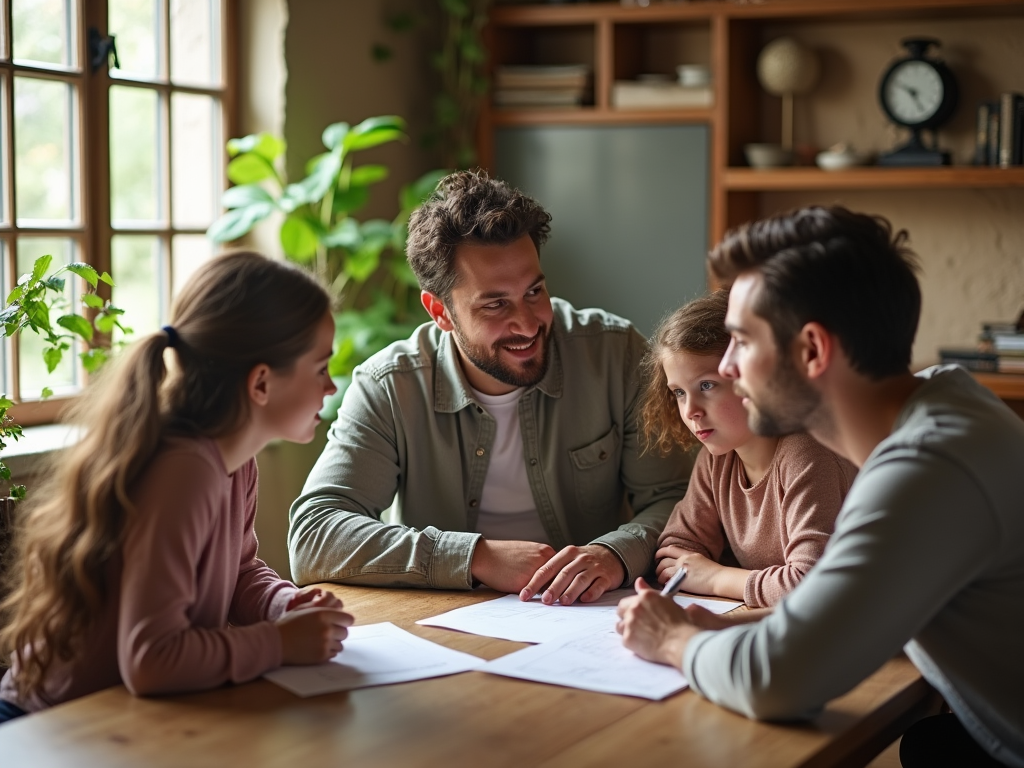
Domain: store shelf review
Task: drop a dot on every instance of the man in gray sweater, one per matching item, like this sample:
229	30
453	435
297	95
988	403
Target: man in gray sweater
928	551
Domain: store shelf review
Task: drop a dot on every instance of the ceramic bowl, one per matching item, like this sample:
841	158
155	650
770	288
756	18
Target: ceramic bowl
767	155
837	161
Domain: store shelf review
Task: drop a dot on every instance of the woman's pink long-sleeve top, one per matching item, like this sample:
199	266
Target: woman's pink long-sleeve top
776	528
191	606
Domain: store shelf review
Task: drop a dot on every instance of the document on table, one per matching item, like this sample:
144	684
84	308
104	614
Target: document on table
593	661
375	654
509	618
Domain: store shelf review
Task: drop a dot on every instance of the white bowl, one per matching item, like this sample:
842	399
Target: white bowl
767	155
837	161
693	75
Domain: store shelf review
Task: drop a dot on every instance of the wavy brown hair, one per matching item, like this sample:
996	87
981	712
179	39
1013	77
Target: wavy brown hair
237	311
696	328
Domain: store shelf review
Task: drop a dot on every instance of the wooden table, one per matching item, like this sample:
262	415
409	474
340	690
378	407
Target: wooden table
472	719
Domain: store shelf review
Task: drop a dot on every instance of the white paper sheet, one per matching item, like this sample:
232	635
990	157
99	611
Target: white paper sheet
593	661
375	654
509	618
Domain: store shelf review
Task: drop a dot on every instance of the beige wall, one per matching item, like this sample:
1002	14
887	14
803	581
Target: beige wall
971	242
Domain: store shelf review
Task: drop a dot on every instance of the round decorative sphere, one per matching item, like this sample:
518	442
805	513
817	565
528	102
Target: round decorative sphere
787	66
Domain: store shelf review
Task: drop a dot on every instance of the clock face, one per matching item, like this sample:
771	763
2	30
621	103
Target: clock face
913	92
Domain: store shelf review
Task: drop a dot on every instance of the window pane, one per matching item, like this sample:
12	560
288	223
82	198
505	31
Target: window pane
42	32
135	262
195	42
5	136
135	25
33	372
5	286
187	253
44	157
195	159
135	148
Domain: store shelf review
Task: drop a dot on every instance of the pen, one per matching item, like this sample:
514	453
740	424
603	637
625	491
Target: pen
674	583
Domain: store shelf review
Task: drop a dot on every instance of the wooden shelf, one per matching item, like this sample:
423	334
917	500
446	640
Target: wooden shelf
1008	386
952	177
597	116
811	10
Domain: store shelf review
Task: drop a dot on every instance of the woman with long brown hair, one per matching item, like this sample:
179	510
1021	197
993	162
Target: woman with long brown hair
136	562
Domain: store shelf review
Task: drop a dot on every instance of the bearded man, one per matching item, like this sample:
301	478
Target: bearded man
503	433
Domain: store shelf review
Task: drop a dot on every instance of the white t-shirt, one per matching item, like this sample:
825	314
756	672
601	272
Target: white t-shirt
507	509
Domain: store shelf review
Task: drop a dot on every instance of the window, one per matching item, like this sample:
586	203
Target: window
122	168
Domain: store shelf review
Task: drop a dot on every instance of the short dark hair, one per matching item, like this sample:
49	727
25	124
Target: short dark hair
845	270
468	207
696	328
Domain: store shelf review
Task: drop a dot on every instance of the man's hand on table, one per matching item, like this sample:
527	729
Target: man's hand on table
508	565
583	573
313	597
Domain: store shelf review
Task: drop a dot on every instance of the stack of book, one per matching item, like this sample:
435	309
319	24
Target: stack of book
999	138
657	94
1000	350
566	85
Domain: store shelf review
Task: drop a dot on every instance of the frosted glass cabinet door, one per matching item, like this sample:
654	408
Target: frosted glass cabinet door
629	207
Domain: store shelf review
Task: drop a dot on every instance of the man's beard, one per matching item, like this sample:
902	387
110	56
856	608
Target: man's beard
489	360
788	407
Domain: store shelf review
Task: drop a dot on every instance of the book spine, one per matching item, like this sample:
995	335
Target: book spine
1018	132
981	135
993	135
1007	112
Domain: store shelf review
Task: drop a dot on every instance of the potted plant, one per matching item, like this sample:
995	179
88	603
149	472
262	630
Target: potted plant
376	295
38	304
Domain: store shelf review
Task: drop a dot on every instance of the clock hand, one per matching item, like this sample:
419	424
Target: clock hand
913	95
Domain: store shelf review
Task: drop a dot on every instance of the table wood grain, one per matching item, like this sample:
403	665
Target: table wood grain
462	720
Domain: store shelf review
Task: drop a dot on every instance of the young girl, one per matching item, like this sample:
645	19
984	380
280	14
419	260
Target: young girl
764	504
137	562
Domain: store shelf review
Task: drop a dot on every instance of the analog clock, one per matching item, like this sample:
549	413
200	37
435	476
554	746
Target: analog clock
917	92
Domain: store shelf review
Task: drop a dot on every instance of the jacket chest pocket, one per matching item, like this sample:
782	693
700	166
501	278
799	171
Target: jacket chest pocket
595	470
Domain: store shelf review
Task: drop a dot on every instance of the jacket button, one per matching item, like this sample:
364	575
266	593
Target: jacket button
533	462
479	451
473	502
603	455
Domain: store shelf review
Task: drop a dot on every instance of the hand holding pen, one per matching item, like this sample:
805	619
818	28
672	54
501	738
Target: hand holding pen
674	584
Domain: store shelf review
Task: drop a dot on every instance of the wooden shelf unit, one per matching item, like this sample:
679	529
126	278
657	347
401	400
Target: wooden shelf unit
620	42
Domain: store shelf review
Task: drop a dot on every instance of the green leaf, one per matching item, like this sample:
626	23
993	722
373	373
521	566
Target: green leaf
381	53
249	168
401	22
105	323
413	195
93	359
84	271
351	200
299	238
364	262
373	138
106	278
38	314
45	393
17	492
266	145
76	324
245	194
313	188
446	110
457	8
365	175
15	294
5	473
345	235
340	363
376	229
92	301
334	135
41	265
403	273
55	284
239	221
5	402
52	357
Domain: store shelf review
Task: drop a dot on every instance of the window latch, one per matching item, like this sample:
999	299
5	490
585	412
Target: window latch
100	50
